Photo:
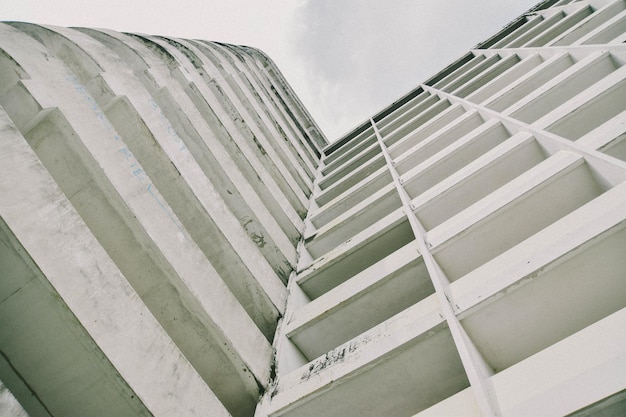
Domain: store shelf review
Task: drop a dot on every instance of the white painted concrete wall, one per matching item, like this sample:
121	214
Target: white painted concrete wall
153	193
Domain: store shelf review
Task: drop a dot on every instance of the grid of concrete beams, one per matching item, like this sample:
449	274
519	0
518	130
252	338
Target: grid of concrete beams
464	251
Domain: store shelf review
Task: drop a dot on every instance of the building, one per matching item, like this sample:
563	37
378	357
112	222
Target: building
179	239
153	195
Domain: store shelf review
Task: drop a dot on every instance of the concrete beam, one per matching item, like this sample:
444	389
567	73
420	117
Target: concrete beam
117	199
387	360
105	352
370	297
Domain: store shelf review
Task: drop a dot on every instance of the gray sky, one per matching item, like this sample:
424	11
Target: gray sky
346	59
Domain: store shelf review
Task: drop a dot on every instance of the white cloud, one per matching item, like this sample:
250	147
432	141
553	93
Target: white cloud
361	55
346	59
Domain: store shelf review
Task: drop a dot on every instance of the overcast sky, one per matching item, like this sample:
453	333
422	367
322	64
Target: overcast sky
346	59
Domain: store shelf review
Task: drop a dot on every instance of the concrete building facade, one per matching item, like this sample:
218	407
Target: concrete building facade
179	239
153	193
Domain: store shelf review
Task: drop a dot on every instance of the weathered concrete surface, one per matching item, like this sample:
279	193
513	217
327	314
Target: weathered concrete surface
189	193
73	330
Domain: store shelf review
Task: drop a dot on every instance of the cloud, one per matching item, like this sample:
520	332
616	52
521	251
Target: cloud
346	59
341	47
358	56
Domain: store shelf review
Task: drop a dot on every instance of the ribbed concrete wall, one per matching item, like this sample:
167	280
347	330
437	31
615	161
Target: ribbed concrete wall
152	194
